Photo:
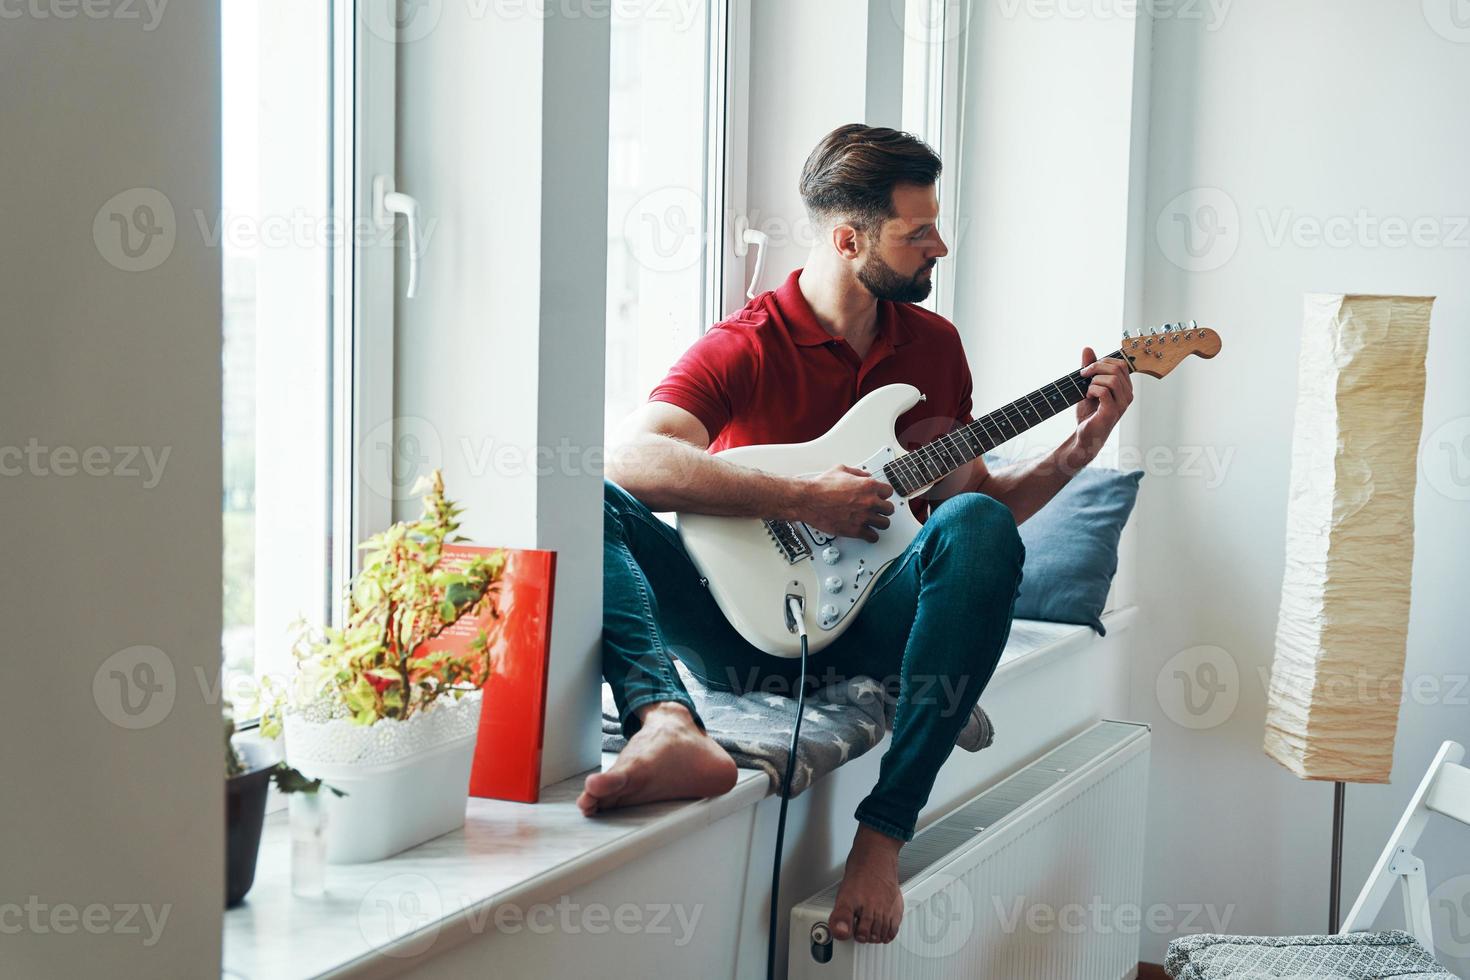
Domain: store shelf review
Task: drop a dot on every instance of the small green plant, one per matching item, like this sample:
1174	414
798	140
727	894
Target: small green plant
287	780
403	597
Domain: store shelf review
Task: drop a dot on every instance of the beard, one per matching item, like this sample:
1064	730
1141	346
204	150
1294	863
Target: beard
886	282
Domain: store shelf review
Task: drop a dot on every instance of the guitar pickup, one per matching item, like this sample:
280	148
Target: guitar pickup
788	540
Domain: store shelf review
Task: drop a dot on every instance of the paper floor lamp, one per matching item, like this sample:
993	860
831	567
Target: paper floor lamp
1337	677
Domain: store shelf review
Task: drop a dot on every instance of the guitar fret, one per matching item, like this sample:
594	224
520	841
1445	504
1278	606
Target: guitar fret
932	462
949	451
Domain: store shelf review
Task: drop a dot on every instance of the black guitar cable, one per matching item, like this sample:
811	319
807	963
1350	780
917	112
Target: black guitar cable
794	620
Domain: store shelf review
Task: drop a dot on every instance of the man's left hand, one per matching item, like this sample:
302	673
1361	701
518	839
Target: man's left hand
1109	394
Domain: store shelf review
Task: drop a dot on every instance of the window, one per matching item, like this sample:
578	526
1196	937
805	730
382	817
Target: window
307	316
670	153
933	65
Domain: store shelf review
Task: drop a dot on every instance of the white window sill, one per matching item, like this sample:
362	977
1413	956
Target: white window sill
507	854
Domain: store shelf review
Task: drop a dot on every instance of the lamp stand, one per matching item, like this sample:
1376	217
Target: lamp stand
1334	911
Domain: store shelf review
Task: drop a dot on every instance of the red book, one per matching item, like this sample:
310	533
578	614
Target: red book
507	762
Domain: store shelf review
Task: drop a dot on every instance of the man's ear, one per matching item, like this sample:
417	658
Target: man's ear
847	240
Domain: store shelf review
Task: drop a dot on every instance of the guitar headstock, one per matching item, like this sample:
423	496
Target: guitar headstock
1159	350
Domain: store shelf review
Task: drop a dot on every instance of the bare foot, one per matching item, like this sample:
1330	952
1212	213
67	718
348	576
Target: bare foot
869	906
668	758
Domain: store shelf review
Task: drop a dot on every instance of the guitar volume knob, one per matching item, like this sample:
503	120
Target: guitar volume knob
830	555
829	614
833	583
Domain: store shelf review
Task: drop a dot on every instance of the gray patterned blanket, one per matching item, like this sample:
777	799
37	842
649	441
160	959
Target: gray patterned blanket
841	722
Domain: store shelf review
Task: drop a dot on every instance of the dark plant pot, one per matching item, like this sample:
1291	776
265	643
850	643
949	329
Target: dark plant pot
244	815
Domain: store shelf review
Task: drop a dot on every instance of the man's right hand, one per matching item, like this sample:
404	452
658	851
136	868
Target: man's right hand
846	502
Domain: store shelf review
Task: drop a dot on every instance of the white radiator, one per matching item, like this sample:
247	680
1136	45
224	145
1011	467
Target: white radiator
1037	878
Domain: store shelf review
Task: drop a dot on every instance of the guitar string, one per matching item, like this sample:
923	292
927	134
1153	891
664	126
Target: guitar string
941	459
934	455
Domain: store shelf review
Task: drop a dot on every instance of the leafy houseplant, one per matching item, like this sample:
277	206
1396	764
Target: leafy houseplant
375	707
403	597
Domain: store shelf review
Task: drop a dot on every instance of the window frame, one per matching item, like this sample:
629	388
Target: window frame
363	383
934	84
728	121
363	295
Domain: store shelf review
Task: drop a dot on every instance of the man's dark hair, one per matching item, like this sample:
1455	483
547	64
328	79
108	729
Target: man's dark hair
851	174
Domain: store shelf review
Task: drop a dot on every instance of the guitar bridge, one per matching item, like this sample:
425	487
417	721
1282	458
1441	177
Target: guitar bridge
788	540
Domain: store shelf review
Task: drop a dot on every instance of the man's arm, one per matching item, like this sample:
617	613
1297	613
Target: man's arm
1026	486
661	458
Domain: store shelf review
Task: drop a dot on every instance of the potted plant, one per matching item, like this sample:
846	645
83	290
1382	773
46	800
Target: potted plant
248	775
374	712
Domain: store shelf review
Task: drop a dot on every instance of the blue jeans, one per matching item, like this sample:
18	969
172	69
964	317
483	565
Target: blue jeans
932	633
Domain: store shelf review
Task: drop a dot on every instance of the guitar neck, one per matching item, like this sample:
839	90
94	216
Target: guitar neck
935	460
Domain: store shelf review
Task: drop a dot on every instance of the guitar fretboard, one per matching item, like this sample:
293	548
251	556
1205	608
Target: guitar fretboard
935	460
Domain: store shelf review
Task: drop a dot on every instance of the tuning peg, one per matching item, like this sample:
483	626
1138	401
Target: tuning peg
1153	331
1125	335
1168	328
1193	325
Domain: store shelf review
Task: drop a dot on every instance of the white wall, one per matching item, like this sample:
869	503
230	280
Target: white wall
1040	250
1300	112
808	75
113	796
502	134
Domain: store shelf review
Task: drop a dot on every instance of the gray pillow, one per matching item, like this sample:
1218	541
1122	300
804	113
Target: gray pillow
1072	547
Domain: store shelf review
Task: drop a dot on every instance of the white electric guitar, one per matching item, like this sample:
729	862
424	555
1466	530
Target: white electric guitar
752	565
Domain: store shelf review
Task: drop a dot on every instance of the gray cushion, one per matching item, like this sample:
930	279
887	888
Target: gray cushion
1072	546
1354	956
841	722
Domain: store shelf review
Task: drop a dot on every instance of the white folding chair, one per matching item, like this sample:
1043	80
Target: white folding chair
1356	951
1445	789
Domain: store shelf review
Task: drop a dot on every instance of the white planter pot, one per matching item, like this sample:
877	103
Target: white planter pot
406	781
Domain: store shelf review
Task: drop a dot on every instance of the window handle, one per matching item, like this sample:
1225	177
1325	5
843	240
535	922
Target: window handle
750	236
388	202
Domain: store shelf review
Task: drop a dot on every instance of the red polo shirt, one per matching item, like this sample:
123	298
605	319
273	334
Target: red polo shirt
771	374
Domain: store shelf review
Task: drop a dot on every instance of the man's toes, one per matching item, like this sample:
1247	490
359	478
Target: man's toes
864	932
894	922
603	785
841	921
